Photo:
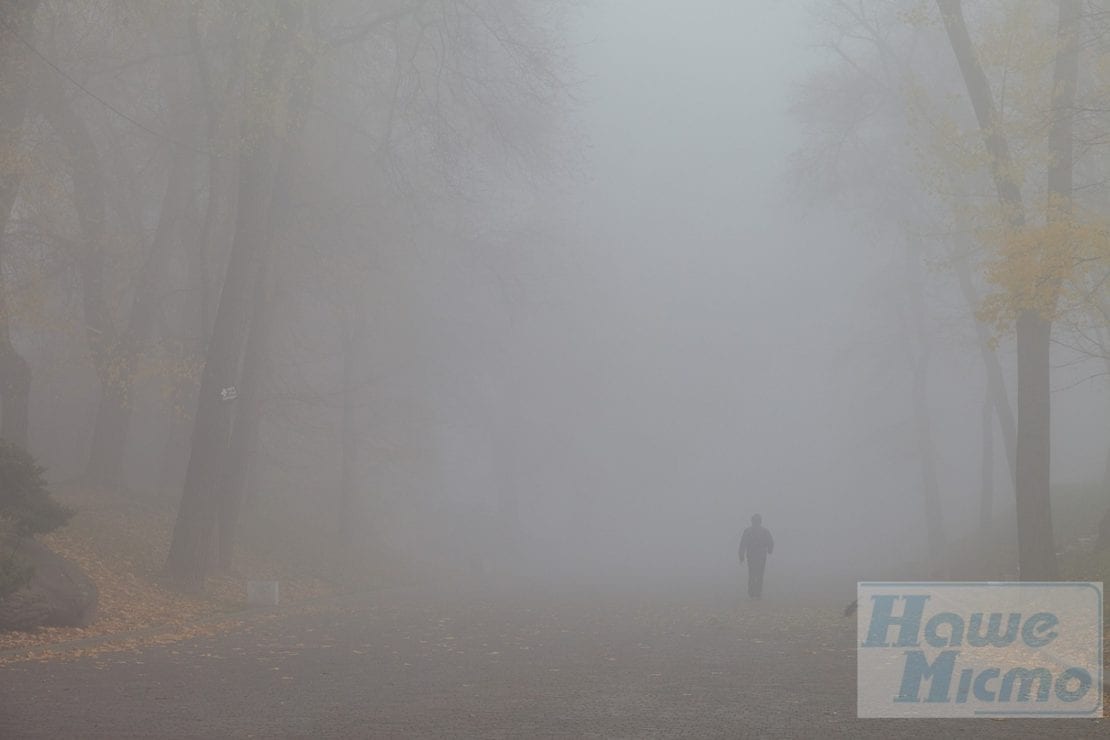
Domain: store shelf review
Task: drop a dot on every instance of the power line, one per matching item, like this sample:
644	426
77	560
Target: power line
47	61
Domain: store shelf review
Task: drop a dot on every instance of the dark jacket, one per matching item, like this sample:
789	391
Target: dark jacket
756	543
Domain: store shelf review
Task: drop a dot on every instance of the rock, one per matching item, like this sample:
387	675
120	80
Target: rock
59	594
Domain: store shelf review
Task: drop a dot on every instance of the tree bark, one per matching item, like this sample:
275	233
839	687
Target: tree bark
1103	541
15	81
1036	545
919	365
986	469
1037	549
244	430
109	440
219	200
982	102
113	417
248	417
88	201
192	545
89	188
351	330
996	381
188	560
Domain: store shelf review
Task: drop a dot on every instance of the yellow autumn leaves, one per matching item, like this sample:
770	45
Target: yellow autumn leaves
1046	268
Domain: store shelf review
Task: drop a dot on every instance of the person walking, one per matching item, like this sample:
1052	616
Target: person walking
756	544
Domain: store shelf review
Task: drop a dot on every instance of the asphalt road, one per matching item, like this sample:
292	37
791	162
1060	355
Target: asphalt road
520	663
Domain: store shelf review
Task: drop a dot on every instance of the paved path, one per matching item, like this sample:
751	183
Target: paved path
523	664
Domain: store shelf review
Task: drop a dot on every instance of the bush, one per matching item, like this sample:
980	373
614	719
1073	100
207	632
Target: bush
25	509
15	573
24	501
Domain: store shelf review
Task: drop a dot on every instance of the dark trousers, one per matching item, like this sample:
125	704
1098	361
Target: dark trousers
755	576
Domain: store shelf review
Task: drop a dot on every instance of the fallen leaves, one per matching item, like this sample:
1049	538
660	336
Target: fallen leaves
121	543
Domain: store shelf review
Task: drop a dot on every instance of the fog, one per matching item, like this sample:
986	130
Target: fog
426	363
717	348
501	296
699	344
598	359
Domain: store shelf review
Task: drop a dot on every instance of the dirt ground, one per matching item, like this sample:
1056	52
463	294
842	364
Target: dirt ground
525	662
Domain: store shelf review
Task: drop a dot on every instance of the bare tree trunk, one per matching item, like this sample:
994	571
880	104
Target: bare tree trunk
1103	542
996	381
919	350
1103	539
15	80
15	384
244	430
1106	474
351	331
212	103
192	545
113	417
218	201
248	417
1037	549
188	560
89	190
1036	544
248	414
986	469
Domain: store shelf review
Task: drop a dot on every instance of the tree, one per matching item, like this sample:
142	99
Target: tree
192	545
851	154
15	81
1030	261
112	422
1036	548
